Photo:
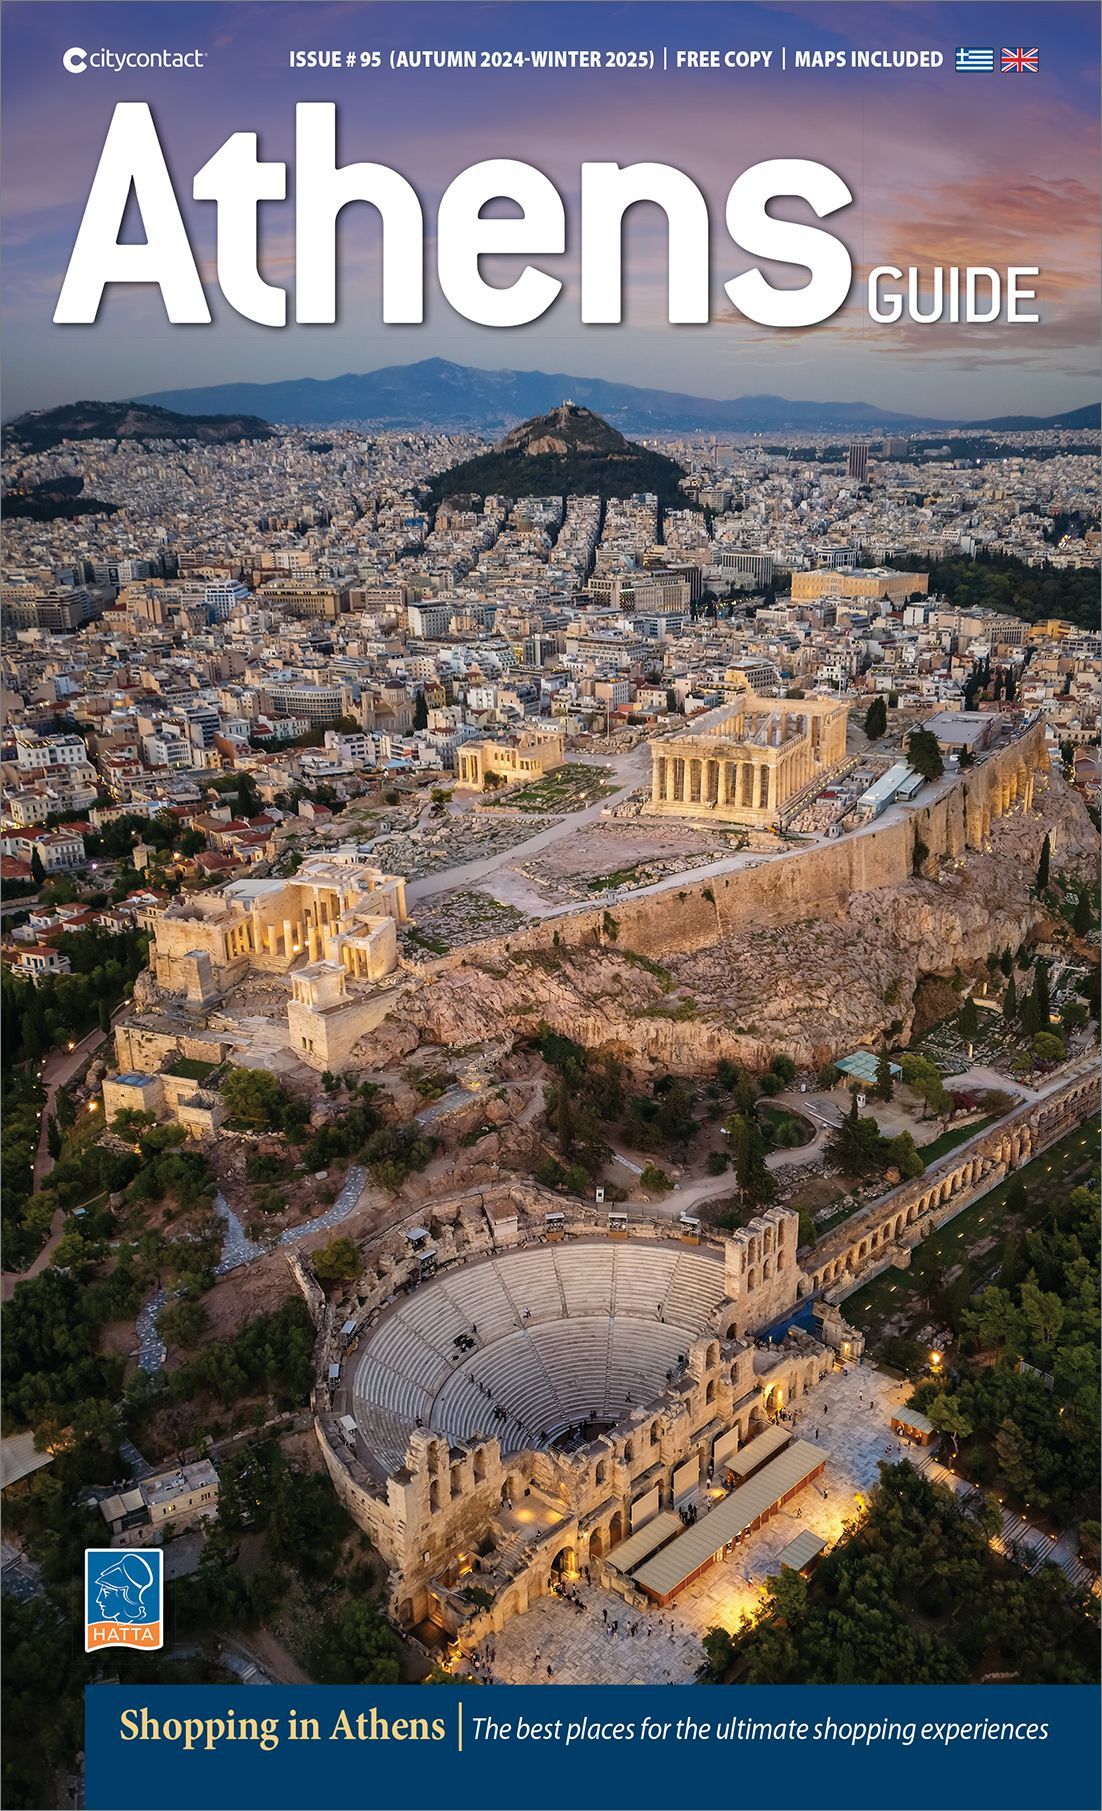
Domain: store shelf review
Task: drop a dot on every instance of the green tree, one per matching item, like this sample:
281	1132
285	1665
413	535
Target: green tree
420	712
949	1418
747	1146
996	1323
337	1262
876	718
969	1019
856	1147
719	1650
1016	1459
885	1081
924	754
253	1098
1044	863
183	1322
356	1648
38	872
928	1270
1044	1312
1010	1000
903	1154
1082	917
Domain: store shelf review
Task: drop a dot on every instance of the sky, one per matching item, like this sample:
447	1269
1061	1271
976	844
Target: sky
945	168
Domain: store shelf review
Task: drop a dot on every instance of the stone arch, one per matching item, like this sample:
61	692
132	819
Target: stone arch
565	1563
596	1544
616	1528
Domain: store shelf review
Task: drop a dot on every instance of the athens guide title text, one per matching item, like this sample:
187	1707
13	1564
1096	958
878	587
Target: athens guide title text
237	181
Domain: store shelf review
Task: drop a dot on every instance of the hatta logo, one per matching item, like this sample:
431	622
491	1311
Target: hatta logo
123	1593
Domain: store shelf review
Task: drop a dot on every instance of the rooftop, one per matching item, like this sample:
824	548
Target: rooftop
862	1066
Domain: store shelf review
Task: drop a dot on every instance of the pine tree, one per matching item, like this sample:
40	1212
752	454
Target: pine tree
1082	916
1041	993
104	1016
969	1019
38	872
924	754
1043	864
1010	1000
420	712
885	1082
876	719
752	1173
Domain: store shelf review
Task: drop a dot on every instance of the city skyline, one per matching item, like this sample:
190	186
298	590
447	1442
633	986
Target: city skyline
901	141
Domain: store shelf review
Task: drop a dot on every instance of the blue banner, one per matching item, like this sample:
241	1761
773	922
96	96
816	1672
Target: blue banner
790	1748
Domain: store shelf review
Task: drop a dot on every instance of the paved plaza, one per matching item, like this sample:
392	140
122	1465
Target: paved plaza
849	1414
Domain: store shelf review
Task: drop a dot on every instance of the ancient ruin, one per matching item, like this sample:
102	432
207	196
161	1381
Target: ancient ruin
750	761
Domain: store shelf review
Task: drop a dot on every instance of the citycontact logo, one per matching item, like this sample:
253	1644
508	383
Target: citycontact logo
110	62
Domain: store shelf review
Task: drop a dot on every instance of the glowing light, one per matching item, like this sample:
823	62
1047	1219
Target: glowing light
935	1359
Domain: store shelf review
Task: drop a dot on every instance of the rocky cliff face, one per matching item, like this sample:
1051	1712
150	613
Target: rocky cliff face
810	987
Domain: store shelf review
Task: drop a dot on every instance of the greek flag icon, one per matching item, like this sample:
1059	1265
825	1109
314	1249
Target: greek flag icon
975	62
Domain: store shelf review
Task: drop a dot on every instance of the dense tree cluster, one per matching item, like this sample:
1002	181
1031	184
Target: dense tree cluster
1034	1432
1007	585
912	1596
272	1353
858	1148
60	1008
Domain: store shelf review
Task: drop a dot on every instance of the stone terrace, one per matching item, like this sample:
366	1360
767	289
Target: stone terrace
849	1415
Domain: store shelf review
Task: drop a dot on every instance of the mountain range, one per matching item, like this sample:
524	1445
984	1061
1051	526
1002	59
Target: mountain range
435	393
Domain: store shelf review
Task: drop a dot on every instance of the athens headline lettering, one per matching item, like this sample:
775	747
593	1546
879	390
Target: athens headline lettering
237	181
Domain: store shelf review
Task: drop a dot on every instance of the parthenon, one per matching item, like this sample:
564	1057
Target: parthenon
747	762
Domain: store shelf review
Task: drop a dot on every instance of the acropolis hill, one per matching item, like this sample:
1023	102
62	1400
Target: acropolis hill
812	951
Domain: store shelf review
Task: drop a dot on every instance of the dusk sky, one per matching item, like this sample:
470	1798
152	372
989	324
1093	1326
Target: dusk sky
945	168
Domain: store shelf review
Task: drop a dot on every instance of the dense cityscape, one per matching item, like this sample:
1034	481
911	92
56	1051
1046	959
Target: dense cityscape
552	1014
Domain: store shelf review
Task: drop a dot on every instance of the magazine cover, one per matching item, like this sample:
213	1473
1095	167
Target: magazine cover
550	872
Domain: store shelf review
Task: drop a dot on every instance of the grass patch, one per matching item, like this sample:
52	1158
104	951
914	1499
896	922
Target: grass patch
192	1068
570	788
940	1147
896	1295
784	1130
